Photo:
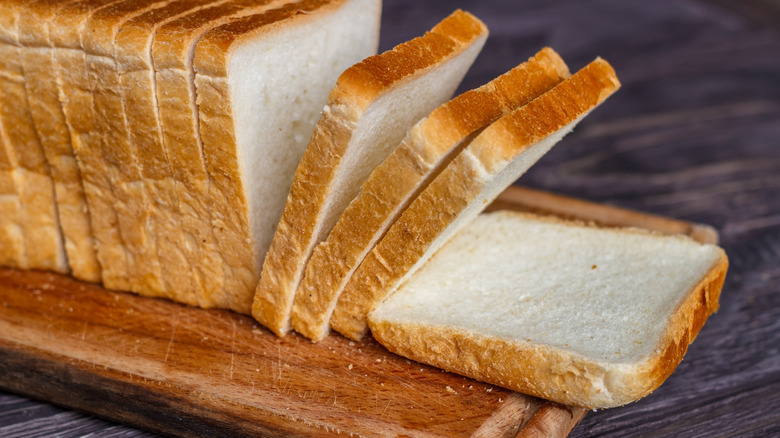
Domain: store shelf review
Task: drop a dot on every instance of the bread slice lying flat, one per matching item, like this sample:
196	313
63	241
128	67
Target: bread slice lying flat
373	105
261	82
33	182
429	145
172	54
489	164
581	315
37	58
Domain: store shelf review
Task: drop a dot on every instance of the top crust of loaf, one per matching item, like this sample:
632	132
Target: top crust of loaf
552	372
173	40
212	55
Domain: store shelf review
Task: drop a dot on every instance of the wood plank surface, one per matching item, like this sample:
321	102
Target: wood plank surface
693	134
183	371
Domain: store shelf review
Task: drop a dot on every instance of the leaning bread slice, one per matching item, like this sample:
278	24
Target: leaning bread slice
393	185
261	82
490	163
40	222
172	54
42	95
580	315
368	113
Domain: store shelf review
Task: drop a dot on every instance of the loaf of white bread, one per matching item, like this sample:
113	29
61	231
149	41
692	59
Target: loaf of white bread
235	154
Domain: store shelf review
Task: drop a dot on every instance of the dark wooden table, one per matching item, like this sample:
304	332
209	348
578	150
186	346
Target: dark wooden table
694	134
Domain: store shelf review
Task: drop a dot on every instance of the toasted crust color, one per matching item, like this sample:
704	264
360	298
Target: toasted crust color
229	206
440	204
356	89
395	183
554	373
139	218
172	51
33	182
136	78
12	249
77	105
38	62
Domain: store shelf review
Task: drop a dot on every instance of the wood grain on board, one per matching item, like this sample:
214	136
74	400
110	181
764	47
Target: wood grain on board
177	370
692	134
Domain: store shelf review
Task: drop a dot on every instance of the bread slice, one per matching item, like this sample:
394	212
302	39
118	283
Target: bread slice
76	98
369	111
429	145
136	75
490	163
140	216
12	249
261	82
40	222
584	316
172	54
37	58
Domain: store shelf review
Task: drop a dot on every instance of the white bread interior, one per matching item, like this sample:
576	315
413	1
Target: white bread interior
172	54
428	146
257	107
573	313
499	155
369	111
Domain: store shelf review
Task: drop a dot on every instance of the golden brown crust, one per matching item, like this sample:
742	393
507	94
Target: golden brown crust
12	250
213	51
172	48
231	224
361	84
34	185
55	140
552	373
356	88
459	184
77	106
403	174
139	219
136	77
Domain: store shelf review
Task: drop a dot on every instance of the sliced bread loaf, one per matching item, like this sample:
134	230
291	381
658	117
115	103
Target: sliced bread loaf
489	164
139	216
584	316
172	54
373	105
430	144
261	82
37	58
135	74
72	78
35	189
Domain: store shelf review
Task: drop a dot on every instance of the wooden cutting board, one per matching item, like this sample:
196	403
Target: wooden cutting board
177	370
